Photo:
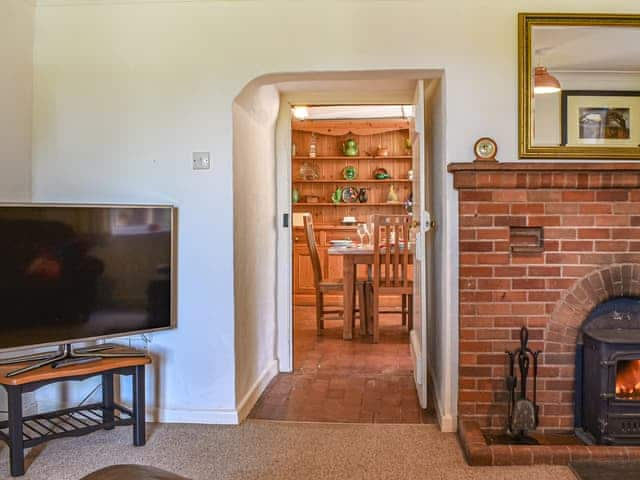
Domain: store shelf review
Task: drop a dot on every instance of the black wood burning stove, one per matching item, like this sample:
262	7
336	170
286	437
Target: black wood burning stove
607	402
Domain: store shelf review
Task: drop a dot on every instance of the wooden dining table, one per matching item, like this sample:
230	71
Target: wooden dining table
352	256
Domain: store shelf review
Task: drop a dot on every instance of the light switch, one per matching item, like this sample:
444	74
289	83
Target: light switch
201	161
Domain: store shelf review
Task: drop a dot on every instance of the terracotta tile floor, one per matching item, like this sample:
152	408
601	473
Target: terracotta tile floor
345	381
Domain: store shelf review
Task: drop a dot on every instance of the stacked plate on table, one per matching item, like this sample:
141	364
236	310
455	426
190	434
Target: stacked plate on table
341	243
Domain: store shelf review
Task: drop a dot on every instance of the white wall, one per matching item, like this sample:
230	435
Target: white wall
16	92
126	90
16	95
117	116
254	207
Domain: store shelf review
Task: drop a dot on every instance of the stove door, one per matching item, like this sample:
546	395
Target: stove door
620	414
627	381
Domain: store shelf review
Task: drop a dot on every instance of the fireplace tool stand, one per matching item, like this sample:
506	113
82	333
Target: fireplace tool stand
522	415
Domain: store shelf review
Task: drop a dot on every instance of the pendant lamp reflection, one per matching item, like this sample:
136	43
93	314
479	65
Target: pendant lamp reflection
544	82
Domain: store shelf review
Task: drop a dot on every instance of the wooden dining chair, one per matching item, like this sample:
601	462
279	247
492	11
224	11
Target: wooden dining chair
323	286
391	268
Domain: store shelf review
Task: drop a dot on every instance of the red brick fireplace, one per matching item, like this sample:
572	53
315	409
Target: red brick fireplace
541	245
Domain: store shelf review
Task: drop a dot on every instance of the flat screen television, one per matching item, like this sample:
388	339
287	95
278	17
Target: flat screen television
71	273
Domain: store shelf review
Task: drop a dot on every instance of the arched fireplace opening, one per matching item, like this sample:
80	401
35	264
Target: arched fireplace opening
607	393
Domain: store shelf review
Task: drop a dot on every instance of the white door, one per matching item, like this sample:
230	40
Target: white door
422	221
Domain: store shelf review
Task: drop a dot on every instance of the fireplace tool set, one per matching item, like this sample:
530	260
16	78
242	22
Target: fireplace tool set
522	412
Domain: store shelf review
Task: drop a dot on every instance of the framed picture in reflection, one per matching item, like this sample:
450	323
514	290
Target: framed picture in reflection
600	118
140	221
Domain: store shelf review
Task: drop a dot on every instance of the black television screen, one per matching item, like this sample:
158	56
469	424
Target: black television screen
70	273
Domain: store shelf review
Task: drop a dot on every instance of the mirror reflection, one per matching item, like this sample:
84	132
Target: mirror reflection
585	86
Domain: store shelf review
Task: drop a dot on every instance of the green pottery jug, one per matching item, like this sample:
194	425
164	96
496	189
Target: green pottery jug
350	148
337	196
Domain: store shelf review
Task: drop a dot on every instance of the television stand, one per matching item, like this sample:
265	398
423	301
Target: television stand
65	352
21	431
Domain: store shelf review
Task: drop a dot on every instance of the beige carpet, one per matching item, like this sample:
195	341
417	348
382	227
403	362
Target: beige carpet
275	450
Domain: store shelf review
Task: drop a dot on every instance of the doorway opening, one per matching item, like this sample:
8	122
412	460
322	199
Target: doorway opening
262	173
349	163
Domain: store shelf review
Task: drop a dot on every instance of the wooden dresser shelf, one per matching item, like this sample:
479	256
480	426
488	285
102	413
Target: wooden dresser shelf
356	181
359	157
342	204
329	162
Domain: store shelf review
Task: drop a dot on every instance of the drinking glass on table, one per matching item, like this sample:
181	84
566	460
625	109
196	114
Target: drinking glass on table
368	233
362	231
372	229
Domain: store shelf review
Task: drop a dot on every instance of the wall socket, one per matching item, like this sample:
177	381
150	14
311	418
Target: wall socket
201	161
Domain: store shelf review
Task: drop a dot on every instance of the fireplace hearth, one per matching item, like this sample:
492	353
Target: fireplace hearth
607	406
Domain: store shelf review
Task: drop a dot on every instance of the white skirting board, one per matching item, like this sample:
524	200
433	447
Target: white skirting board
175	415
220	416
416	355
448	423
418	361
252	396
213	417
162	415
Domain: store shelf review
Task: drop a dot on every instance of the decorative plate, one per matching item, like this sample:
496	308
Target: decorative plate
349	195
350	172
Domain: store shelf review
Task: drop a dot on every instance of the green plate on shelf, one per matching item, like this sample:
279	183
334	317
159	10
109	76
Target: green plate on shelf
350	172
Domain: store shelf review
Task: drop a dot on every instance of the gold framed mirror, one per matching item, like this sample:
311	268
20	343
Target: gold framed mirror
579	86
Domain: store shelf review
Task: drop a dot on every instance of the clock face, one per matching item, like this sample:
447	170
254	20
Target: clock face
486	148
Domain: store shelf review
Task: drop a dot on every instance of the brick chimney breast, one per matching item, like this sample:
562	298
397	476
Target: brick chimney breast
541	245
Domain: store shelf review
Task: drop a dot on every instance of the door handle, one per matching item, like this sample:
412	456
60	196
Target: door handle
430	222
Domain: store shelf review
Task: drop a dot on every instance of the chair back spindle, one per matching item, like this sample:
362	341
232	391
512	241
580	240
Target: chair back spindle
313	250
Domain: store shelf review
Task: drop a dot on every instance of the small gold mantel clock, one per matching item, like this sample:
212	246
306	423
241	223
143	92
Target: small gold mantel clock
485	149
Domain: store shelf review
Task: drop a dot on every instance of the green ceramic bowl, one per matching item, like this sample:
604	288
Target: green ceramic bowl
381	174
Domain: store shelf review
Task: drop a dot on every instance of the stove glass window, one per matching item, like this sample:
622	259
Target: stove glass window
628	380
